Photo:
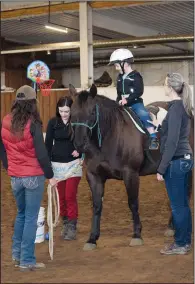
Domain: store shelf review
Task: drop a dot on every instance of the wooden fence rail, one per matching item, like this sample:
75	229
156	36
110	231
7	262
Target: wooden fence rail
46	105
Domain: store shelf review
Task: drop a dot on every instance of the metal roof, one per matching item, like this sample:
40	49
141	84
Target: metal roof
165	18
168	18
31	30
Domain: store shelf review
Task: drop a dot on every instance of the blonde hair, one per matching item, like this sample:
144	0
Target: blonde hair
175	81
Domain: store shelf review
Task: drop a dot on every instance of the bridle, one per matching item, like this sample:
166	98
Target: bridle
93	126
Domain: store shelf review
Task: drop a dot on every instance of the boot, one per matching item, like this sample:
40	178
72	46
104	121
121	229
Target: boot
71	230
104	81
64	226
153	143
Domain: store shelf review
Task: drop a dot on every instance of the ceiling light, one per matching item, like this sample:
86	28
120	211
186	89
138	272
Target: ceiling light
48	52
134	46
65	30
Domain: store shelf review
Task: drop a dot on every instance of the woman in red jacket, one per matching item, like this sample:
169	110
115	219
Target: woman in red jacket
28	166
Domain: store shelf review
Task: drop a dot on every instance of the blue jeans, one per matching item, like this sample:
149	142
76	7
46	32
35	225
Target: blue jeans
176	180
28	193
142	113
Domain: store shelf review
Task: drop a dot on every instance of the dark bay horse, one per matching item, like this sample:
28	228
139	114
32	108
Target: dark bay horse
114	149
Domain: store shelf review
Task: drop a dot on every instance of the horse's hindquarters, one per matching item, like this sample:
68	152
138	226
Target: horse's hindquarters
150	163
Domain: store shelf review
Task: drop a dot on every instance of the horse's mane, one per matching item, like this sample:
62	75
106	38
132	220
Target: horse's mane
110	111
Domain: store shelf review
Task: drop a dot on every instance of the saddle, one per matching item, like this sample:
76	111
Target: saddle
156	113
136	120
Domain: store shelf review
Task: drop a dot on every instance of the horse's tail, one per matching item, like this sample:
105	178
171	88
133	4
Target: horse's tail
149	156
150	163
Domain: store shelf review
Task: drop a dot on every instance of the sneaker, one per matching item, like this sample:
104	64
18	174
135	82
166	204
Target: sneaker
174	249
153	143
188	247
32	267
15	262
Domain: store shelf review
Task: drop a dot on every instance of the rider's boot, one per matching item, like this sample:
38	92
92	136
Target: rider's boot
154	144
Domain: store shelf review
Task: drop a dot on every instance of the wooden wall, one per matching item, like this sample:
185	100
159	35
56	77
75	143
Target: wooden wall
46	105
15	78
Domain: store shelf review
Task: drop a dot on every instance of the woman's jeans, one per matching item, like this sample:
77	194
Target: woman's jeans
28	193
176	180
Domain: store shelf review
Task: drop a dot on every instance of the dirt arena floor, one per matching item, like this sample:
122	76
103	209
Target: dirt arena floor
114	261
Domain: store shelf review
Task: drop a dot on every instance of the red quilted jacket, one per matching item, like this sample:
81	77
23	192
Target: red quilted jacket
22	160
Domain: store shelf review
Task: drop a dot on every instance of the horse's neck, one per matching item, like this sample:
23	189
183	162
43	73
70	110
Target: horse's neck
112	124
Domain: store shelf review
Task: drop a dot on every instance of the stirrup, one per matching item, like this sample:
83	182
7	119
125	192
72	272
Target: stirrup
154	144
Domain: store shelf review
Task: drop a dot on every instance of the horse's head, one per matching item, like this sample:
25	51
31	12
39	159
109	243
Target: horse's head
84	116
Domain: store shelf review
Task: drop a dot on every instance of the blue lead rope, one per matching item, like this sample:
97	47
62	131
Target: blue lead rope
83	157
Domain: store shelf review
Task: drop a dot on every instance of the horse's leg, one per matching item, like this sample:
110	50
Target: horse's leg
131	180
97	189
170	228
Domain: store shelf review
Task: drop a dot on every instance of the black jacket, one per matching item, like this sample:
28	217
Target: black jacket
131	86
58	133
174	134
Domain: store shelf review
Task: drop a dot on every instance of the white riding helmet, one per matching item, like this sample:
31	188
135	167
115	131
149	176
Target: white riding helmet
121	55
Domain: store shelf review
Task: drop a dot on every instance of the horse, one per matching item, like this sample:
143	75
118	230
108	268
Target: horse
114	149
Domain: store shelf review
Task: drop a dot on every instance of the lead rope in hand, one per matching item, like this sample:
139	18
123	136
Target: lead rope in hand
52	192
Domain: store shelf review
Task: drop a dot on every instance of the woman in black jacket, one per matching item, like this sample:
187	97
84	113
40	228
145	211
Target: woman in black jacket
177	162
66	165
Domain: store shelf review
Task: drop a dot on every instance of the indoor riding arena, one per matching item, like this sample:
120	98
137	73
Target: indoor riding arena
70	42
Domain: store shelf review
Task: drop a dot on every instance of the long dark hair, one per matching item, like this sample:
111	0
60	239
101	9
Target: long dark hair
22	111
65	101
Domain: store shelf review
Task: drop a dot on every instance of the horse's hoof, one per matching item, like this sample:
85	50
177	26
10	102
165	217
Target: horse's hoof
169	233
136	242
89	246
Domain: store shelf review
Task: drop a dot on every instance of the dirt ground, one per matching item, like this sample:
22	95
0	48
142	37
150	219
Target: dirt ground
114	261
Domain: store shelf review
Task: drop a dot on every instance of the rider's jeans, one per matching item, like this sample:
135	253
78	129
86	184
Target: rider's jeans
142	113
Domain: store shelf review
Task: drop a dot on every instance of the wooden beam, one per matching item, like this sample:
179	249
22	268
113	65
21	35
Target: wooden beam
41	10
112	4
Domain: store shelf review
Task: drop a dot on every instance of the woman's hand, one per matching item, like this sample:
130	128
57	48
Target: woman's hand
153	120
52	181
75	154
159	177
81	162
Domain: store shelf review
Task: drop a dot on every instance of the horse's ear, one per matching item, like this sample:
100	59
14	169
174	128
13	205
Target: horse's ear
72	90
93	90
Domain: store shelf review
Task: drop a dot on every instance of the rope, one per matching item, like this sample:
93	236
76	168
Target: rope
52	192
